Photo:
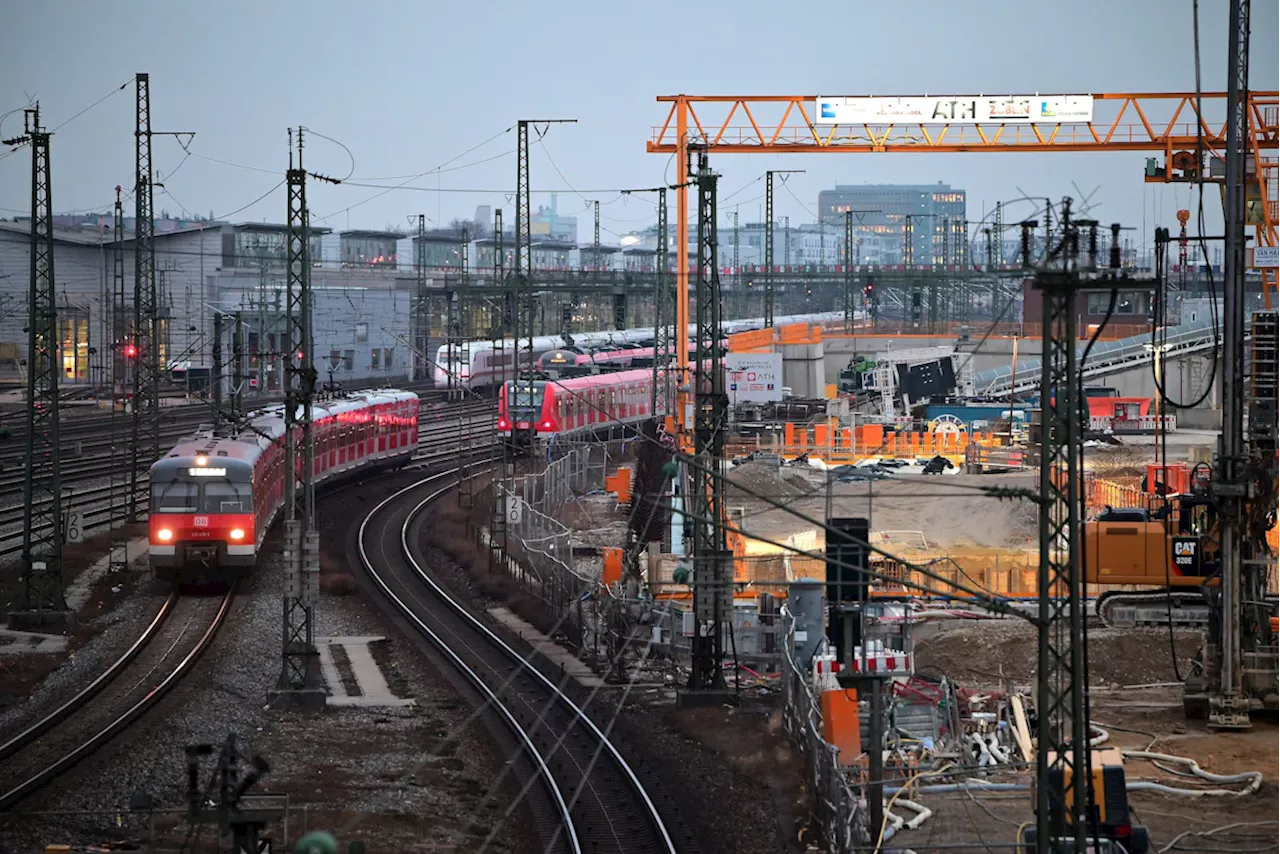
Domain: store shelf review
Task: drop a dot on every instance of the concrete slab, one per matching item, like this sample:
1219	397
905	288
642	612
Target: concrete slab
555	653
14	642
78	591
373	687
330	672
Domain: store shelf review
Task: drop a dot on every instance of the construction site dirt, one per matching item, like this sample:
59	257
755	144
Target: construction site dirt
1135	696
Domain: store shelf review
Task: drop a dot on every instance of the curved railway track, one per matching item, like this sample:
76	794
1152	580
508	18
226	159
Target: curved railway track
440	425
592	800
163	654
94	455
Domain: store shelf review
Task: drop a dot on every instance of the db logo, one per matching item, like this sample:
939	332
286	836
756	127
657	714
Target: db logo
1184	549
201	521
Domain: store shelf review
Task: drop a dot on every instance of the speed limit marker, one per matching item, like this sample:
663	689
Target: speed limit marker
515	510
71	530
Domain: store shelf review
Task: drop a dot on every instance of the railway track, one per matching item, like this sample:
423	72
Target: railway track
87	460
94	504
592	800
84	432
162	655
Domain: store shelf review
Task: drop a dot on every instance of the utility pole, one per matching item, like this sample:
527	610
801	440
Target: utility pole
121	342
737	273
713	564
662	400
595	243
422	300
145	446
523	308
848	272
300	683
44	604
1228	704
462	317
997	227
215	374
238	371
768	241
147	308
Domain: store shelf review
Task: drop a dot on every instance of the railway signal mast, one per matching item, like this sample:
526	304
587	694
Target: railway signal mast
44	604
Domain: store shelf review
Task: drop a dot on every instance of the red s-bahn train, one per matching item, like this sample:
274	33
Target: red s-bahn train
541	409
214	497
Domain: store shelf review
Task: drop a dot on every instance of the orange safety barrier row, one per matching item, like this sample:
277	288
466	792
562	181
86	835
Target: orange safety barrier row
844	444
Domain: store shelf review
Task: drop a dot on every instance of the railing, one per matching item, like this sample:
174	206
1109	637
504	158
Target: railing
837	811
1105	357
541	547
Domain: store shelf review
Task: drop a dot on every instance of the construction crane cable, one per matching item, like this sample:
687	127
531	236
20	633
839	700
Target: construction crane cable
1162	285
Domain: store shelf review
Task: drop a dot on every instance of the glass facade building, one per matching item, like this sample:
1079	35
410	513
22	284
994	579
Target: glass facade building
937	212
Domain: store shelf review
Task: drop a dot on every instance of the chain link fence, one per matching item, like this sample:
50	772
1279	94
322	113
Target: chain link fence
540	546
839	812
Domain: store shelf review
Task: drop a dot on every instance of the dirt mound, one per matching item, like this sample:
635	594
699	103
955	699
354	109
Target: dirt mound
769	481
985	653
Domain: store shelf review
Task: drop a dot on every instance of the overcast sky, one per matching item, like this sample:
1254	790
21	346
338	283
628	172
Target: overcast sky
409	86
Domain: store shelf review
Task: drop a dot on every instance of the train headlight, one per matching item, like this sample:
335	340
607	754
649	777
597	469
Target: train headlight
202	460
545	425
237	533
164	535
504	424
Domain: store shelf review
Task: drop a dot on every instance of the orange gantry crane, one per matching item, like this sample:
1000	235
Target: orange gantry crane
1173	125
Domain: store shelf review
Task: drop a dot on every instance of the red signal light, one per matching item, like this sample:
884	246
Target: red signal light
130	351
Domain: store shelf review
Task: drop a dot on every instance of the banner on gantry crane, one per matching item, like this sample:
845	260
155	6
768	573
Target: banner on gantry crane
754	377
1266	256
955	109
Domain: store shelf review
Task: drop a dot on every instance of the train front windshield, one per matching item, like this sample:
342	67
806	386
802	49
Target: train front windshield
187	496
524	400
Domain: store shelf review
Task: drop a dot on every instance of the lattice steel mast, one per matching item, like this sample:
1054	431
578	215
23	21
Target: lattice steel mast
118	536
1228	707
848	272
663	397
300	675
145	445
43	600
422	301
713	565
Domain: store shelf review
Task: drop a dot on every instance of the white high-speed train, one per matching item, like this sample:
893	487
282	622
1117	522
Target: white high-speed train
482	367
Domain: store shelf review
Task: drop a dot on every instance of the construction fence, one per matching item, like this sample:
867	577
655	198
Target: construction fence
539	547
838	812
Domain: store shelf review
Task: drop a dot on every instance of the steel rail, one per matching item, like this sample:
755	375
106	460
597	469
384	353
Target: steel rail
496	704
522	667
91	690
122	721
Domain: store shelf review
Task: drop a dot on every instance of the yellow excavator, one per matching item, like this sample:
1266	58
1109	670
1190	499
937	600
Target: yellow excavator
1169	550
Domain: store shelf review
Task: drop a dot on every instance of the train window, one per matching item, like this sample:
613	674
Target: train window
526	400
226	498
174	497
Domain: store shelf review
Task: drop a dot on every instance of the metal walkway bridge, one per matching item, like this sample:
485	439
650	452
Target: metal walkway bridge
1106	358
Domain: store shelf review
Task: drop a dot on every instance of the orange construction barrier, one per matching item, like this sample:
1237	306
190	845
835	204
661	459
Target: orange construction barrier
620	482
612	566
840	725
